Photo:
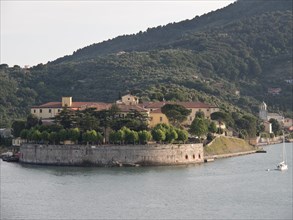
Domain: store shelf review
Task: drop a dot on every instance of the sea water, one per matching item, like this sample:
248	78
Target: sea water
244	187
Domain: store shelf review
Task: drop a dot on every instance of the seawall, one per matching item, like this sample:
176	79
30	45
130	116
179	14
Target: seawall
109	155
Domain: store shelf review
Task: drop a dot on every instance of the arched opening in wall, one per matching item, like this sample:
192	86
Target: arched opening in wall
193	156
186	157
199	156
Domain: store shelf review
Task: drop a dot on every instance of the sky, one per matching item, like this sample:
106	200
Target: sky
34	32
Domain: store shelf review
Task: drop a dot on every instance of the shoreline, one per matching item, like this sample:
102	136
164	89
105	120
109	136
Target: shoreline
236	154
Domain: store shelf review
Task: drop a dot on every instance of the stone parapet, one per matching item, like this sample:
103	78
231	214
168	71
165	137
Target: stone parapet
108	155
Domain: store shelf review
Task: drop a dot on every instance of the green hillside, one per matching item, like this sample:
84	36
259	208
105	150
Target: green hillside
245	47
225	145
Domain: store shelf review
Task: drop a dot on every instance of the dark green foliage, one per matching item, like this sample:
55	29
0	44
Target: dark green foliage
66	118
144	136
244	47
45	136
90	136
182	135
31	121
199	127
199	114
24	134
54	137
212	127
74	134
158	135
176	114
17	127
63	135
276	127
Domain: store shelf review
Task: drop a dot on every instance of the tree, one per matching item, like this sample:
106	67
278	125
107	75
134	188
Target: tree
105	118
66	118
24	134
31	121
223	117
248	124
53	137
45	136
90	136
171	135
276	128
213	127
199	127
182	135
113	137
158	135
36	135
74	134
63	135
199	114
130	136
87	121
176	114
99	137
17	127
144	136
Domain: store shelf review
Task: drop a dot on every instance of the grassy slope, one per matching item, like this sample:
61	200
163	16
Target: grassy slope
225	145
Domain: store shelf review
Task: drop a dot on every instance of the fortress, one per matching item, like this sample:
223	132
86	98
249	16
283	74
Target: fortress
112	155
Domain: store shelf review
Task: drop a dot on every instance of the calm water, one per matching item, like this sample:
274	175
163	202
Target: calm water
232	188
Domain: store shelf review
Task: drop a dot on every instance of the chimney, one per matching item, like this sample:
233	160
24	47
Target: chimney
66	101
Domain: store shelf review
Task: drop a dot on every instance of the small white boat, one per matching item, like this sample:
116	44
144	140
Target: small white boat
283	165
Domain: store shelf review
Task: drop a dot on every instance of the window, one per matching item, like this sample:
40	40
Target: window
161	119
50	110
34	110
59	110
186	157
41	110
193	156
208	110
199	156
190	118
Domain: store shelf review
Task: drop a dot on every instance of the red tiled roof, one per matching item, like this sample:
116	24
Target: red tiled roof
156	111
185	104
128	108
76	105
154	104
50	105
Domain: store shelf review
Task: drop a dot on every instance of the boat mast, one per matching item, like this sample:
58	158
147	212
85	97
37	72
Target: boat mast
284	149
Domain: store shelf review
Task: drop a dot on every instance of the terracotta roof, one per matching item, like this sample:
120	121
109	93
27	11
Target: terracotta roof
49	105
76	105
156	111
185	104
154	104
128	108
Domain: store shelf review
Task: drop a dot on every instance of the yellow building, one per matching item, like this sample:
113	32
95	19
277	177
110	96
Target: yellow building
156	116
124	110
51	109
128	100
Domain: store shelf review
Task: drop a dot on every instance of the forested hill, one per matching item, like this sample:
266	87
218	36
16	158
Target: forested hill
231	57
163	35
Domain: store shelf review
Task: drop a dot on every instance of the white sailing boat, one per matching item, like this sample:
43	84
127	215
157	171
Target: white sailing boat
283	165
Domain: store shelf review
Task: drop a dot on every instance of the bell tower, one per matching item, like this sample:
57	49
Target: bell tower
263	112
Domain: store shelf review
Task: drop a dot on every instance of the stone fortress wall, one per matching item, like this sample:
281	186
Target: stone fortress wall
109	155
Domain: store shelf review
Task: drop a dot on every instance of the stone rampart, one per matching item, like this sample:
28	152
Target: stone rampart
107	155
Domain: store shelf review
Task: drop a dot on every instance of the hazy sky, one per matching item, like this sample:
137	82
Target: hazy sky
34	32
